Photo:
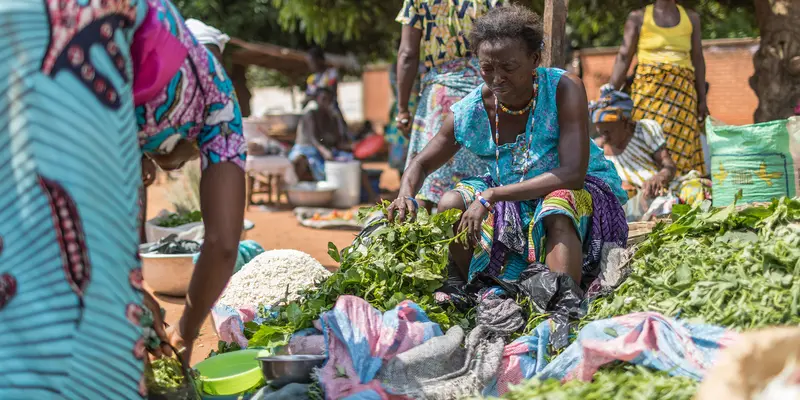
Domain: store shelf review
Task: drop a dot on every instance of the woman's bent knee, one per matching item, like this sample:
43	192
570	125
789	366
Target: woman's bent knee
451	200
559	224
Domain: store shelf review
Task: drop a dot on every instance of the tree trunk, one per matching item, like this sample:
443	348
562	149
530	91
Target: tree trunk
777	62
555	33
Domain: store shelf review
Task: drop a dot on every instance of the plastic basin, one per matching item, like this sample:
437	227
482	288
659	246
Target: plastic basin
230	373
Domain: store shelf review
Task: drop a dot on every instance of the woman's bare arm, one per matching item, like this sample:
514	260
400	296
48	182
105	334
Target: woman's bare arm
699	63
222	199
439	150
630	42
573	149
407	64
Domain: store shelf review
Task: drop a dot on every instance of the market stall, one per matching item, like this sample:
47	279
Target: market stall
652	325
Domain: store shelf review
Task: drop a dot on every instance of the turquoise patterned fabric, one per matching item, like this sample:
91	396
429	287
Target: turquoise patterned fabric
473	131
70	282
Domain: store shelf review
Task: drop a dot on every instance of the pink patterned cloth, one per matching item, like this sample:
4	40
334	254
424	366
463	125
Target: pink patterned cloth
196	103
156	54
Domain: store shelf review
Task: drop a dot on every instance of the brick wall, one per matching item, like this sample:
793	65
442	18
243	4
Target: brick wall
729	66
378	96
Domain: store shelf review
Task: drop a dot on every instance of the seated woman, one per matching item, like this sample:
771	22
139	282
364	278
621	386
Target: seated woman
639	154
319	139
550	195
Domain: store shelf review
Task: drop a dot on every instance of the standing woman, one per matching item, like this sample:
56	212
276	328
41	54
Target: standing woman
69	161
437	33
398	141
669	86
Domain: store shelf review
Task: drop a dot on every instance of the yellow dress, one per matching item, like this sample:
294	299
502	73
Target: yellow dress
664	88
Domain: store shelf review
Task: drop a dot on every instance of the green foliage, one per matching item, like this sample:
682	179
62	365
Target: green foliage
367	28
600	23
618	382
398	262
728	267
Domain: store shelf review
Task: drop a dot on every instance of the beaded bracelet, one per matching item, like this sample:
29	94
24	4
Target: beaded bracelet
484	202
414	201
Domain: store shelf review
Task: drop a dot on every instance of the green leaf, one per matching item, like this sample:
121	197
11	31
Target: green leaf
334	252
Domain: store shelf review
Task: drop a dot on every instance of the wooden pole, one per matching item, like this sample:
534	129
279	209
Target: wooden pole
555	33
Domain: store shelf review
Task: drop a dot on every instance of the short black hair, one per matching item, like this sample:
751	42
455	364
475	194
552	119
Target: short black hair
317	53
508	22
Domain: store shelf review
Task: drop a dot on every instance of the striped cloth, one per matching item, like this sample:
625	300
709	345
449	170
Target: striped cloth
666	94
635	165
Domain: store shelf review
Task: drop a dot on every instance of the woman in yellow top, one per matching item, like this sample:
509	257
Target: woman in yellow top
436	32
669	85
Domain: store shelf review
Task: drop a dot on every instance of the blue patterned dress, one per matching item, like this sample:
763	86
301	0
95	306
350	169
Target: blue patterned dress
514	235
70	282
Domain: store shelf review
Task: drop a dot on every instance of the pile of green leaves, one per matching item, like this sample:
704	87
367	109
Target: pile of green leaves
739	268
164	375
618	382
396	262
178	219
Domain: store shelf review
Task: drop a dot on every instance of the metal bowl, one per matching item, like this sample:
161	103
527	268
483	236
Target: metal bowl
311	194
280	371
168	274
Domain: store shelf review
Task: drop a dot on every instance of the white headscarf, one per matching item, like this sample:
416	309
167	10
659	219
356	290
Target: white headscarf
207	34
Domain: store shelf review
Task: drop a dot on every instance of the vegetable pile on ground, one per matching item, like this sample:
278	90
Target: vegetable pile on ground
178	219
395	262
736	268
618	382
164	377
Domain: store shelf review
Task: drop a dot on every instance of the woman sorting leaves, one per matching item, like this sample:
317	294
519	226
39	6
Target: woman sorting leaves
550	195
640	156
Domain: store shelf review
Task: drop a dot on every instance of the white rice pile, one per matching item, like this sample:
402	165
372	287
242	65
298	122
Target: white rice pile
264	280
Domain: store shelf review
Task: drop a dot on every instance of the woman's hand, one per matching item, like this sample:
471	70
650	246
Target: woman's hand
181	344
702	111
403	120
655	186
162	349
149	171
472	221
326	154
402	208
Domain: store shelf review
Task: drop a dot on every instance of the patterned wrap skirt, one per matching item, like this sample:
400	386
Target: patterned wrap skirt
514	235
666	93
70	283
442	87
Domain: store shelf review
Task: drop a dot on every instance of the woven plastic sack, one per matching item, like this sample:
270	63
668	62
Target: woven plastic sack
744	370
759	160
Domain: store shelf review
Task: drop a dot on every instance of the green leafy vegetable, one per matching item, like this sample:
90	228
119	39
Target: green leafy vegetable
175	219
396	262
164	375
618	382
732	267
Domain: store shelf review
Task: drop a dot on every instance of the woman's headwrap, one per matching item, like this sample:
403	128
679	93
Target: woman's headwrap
613	105
206	34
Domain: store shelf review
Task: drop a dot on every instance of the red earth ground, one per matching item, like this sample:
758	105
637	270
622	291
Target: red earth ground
273	230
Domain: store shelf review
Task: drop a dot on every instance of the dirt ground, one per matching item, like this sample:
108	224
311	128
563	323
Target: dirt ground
273	230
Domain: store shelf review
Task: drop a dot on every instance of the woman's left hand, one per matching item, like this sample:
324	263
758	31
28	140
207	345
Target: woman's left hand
702	111
158	327
472	221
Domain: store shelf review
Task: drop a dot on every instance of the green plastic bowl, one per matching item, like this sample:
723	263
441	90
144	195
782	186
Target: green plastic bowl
230	373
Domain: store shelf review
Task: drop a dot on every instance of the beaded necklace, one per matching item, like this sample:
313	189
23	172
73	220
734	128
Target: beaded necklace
530	107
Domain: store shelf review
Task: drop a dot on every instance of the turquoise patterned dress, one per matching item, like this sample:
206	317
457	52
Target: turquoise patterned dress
514	235
71	310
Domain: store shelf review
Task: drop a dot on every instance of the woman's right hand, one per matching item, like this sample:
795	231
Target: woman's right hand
149	171
403	120
402	208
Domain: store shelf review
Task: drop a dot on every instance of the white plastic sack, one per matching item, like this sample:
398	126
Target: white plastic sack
194	231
